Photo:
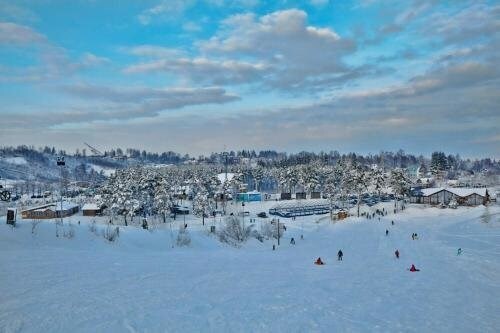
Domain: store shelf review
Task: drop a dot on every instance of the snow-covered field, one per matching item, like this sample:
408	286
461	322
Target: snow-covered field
141	284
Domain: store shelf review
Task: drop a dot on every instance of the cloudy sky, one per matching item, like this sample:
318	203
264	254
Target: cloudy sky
199	75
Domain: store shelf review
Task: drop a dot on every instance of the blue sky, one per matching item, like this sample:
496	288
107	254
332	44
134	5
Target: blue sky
199	75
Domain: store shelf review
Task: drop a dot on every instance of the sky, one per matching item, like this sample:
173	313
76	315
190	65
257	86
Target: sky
198	76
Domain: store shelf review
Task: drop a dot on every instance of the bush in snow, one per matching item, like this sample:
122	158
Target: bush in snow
183	237
268	231
93	228
111	234
233	232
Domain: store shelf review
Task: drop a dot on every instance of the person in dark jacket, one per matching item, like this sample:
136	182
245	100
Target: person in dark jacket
397	254
386	232
292	241
413	268
340	255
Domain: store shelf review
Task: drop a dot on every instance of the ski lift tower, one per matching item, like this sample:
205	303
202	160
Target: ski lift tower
94	151
4	194
61	164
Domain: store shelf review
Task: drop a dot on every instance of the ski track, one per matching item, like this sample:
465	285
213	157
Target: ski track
141	284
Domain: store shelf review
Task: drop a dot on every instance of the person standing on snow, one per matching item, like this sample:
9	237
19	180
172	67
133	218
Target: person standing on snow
397	254
340	255
386	232
459	251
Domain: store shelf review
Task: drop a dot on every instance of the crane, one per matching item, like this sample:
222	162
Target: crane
94	150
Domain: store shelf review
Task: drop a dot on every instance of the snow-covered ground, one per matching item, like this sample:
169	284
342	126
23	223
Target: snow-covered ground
141	284
18	160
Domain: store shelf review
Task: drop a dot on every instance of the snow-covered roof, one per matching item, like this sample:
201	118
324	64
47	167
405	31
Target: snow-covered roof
90	206
250	192
461	192
300	203
55	206
65	205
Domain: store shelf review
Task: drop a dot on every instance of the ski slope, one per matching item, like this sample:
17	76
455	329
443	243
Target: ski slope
141	284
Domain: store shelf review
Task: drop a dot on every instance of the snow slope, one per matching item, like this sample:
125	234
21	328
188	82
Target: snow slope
141	284
18	160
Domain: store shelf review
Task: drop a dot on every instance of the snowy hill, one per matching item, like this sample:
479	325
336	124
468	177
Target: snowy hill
139	283
42	167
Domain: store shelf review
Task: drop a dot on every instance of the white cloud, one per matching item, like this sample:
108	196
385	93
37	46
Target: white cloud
300	55
154	51
280	50
16	34
203	70
165	10
191	27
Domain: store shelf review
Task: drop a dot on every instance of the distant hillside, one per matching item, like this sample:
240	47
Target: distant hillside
29	164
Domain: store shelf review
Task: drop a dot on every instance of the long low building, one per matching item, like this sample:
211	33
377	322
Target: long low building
463	196
51	211
294	208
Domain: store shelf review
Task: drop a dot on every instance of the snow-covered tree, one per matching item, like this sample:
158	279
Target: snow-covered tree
234	232
358	182
258	176
308	177
202	205
331	186
378	180
400	183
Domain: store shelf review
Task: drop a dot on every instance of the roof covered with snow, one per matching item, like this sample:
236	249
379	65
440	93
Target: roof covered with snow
461	192
300	203
65	205
55	206
90	206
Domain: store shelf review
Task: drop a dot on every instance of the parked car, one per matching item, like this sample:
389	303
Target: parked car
262	215
181	210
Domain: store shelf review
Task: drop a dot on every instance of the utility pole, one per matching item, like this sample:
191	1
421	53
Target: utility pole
243	214
225	182
278	224
60	163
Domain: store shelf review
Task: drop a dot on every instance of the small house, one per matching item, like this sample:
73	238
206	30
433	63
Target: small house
315	195
300	195
286	196
250	196
91	209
